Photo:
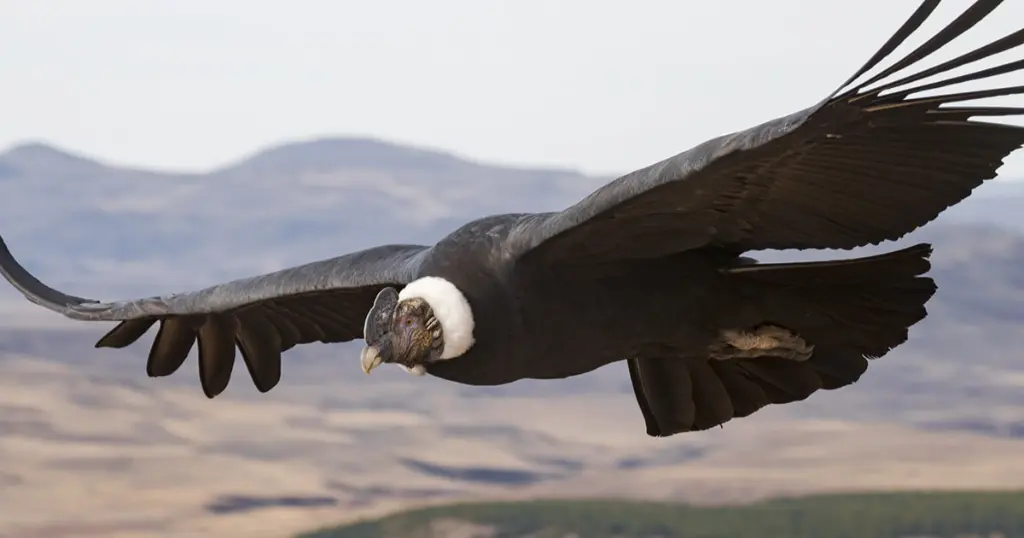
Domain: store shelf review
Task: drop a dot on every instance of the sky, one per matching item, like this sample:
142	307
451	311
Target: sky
598	85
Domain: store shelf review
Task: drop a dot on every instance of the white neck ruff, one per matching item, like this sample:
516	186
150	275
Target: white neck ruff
451	309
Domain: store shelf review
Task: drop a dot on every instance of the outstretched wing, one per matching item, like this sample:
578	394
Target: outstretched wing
868	164
323	301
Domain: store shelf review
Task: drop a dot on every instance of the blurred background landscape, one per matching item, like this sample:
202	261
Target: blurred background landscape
91	447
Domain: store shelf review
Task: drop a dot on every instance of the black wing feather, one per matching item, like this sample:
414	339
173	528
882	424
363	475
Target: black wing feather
263	316
866	165
680	394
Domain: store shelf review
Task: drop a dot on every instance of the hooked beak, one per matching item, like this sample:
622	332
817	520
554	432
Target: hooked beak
370	358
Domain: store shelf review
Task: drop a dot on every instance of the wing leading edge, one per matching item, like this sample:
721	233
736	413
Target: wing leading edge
869	163
263	316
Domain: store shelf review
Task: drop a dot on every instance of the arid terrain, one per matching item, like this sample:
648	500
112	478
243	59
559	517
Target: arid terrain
91	447
86	456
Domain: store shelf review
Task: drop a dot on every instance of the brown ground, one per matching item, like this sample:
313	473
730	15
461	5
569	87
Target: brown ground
92	457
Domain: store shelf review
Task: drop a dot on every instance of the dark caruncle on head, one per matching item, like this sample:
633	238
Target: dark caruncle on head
428	321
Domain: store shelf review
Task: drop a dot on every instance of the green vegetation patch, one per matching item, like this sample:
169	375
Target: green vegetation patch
881	515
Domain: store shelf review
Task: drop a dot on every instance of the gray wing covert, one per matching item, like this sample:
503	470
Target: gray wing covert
870	163
263	316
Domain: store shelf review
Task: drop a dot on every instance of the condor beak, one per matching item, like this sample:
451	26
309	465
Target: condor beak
370	358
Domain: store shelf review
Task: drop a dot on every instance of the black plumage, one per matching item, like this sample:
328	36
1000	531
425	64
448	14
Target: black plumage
648	268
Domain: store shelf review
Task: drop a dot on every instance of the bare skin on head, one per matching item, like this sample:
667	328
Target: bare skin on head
415	338
430	320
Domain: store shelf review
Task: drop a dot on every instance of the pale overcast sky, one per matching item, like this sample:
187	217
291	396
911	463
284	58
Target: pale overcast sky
604	86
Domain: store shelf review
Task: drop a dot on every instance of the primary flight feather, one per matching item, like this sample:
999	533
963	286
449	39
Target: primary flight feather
648	268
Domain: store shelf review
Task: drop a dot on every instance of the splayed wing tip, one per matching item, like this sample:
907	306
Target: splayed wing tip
894	77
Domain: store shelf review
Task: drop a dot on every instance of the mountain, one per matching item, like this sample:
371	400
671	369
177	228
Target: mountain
73	217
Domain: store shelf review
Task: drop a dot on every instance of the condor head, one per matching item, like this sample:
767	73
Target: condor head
428	321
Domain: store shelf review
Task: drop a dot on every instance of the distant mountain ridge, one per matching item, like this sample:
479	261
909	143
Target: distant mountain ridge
325	154
279	206
316	154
